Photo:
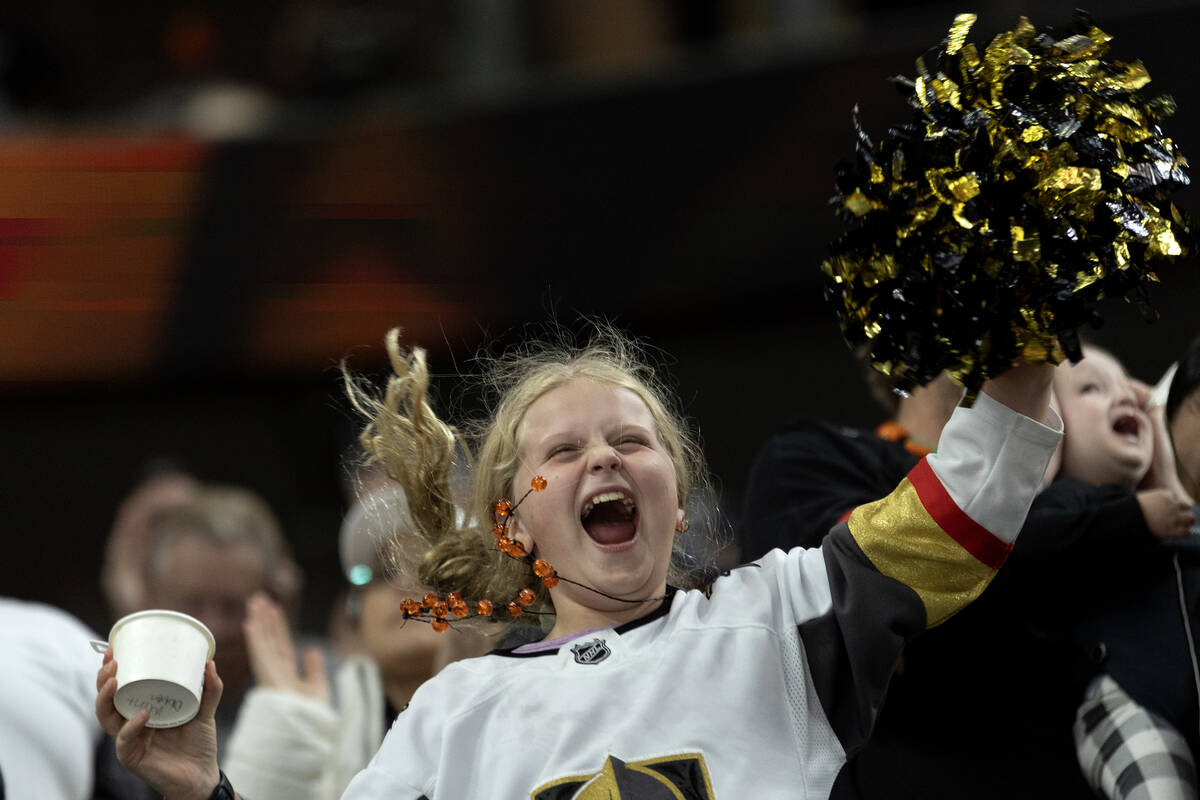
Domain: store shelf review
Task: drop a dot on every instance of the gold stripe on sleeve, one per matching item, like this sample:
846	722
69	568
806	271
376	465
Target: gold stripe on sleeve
905	543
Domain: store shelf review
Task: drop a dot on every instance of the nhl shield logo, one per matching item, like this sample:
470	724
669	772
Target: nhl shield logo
592	652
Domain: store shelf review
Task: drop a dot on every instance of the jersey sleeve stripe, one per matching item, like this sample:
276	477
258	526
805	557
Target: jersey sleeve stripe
974	538
904	542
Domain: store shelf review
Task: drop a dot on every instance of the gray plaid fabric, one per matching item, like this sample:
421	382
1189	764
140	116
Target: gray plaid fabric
1129	753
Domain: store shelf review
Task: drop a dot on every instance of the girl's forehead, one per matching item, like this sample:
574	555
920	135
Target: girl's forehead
582	403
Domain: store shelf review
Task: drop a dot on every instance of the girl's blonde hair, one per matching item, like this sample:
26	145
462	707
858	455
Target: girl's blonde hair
451	552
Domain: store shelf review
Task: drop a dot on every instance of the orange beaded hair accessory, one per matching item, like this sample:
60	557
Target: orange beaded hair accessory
439	612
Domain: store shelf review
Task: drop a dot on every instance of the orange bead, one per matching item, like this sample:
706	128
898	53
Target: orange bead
526	597
459	610
542	568
411	606
429	599
516	549
538	483
498	531
439	609
503	508
484	608
504	545
440	625
453	599
550	581
514	610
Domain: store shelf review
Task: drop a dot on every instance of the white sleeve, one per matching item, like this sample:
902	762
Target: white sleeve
987	459
282	746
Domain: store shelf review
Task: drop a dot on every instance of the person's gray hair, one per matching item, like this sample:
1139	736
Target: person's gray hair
223	516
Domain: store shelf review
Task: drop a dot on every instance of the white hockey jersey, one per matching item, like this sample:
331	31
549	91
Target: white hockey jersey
758	689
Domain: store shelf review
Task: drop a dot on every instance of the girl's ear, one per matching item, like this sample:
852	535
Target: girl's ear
518	532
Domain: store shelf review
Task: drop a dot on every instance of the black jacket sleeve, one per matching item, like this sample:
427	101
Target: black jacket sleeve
806	479
1070	517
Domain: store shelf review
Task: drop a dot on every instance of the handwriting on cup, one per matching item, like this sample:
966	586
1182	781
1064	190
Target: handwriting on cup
157	704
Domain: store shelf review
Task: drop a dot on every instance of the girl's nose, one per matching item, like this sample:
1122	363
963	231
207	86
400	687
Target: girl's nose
604	457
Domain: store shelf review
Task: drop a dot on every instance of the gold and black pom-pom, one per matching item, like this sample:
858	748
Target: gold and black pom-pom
1032	180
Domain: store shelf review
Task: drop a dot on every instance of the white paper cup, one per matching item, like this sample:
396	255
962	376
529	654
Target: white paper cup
160	659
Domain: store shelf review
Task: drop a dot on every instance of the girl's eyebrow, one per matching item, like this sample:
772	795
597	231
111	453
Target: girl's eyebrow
631	426
553	440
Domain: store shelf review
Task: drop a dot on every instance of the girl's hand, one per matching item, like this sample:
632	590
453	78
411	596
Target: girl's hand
273	655
180	763
1025	389
1167	515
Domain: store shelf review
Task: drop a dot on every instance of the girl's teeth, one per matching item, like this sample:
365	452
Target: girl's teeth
607	497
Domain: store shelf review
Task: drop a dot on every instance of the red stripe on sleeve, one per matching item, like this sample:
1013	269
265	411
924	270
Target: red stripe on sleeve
974	538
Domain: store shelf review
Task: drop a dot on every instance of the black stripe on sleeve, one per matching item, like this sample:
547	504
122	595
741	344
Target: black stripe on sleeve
853	649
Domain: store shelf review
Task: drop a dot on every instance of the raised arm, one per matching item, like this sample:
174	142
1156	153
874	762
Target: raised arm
180	763
911	560
1025	389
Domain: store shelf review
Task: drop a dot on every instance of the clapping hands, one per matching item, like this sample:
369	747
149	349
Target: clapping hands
273	654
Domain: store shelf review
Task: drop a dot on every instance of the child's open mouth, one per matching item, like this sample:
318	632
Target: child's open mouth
610	518
1128	427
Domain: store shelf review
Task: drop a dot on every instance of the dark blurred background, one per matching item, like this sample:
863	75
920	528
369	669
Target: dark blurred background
204	206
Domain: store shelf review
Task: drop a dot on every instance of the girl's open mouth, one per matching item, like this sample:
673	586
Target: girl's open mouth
610	518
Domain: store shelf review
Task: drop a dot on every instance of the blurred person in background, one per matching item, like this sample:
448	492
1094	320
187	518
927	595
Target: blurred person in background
51	746
812	474
123	574
1136	730
206	557
1180	391
296	736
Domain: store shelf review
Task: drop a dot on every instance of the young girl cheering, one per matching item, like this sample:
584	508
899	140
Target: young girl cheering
758	683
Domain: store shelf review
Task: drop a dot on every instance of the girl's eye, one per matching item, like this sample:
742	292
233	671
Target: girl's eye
630	442
1089	387
561	450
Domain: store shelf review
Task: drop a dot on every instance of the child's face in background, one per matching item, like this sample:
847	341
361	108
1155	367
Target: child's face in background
607	517
1108	438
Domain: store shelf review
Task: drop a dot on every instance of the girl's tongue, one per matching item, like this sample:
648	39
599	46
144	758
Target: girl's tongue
610	523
